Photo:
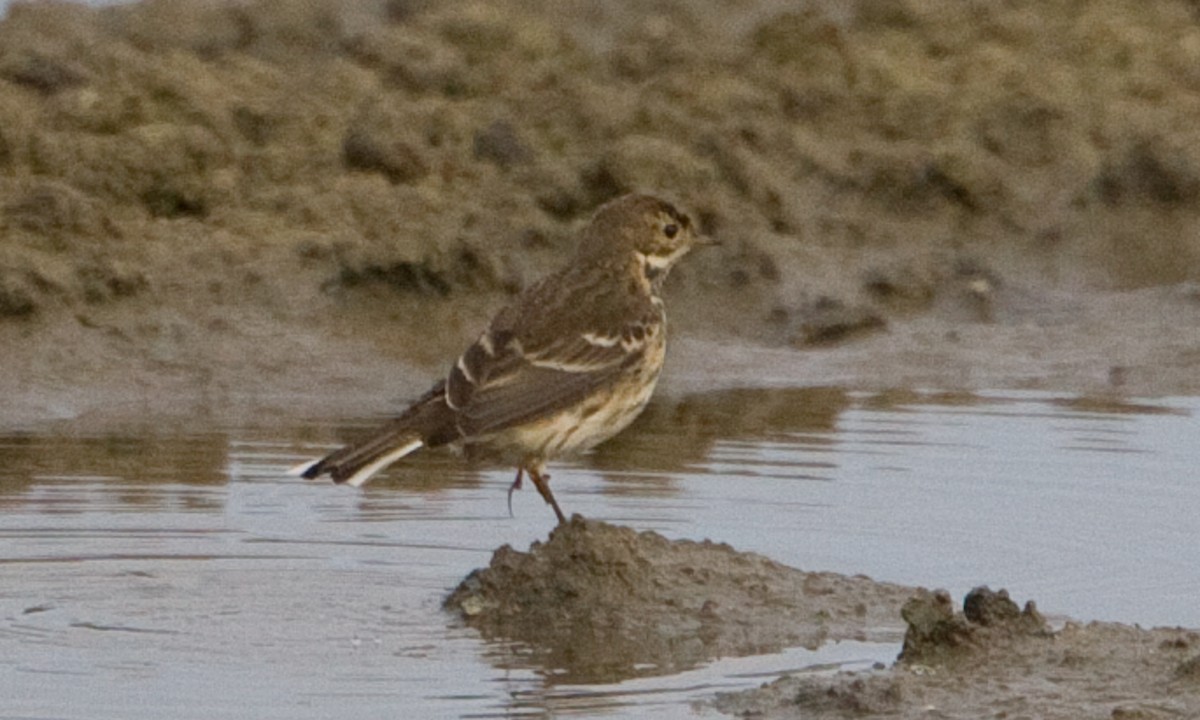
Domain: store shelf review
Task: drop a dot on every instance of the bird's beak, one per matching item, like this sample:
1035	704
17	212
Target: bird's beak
706	241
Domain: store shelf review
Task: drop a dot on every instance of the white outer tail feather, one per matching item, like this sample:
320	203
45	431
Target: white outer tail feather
364	474
299	470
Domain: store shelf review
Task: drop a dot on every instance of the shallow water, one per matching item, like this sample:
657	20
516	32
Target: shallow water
154	573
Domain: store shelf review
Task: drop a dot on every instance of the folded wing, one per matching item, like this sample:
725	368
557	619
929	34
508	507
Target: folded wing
502	381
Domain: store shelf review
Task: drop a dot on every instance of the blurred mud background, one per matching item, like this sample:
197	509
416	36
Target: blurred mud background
214	206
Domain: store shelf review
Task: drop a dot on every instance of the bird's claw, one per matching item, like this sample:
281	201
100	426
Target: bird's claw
516	485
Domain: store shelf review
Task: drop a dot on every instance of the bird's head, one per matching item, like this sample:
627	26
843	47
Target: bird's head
644	229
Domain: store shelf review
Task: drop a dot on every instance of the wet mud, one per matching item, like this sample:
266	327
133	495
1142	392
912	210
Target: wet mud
994	659
606	603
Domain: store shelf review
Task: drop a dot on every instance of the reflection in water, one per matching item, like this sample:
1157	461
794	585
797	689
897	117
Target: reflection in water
148	456
670	696
141	471
673	435
676	435
153	563
1115	406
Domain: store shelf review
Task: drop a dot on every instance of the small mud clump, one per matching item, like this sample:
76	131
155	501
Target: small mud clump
936	634
598	602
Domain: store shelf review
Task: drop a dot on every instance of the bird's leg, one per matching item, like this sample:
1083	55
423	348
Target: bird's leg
542	483
516	485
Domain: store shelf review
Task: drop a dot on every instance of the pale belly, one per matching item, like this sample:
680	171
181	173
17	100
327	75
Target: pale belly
586	426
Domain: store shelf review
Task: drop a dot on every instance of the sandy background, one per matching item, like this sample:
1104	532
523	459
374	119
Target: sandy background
215	205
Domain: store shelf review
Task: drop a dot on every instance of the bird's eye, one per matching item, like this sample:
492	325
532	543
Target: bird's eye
671	231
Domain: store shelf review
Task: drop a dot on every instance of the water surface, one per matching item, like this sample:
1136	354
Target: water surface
165	572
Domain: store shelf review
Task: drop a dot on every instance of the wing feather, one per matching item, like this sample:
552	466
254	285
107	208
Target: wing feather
515	384
547	351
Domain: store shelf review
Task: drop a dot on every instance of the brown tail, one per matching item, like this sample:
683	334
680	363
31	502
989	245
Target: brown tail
355	464
422	424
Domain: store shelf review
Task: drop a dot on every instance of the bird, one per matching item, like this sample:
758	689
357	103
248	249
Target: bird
568	364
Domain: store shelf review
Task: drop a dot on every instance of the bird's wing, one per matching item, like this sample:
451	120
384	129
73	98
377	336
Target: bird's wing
505	379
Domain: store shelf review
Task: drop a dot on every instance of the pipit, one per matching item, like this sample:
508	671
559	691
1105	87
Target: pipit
569	364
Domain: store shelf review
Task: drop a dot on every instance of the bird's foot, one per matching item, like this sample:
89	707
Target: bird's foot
516	485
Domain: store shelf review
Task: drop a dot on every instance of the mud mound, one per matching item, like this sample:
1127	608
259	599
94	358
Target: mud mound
603	603
997	660
937	635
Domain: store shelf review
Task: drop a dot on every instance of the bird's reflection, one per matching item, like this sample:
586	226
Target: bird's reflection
674	434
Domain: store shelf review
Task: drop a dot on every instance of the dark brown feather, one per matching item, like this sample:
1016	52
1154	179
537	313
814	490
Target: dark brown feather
428	419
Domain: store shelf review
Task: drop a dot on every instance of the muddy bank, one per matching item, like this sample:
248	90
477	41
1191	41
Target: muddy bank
210	205
601	603
233	363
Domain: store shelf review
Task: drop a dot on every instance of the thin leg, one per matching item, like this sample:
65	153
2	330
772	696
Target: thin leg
542	483
516	485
